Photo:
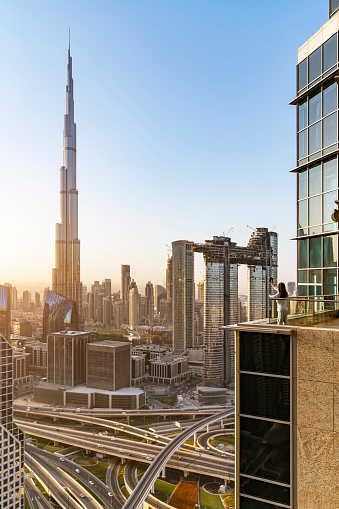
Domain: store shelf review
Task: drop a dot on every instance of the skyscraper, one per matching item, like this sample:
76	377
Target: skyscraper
134	305
124	295
317	160
149	294
11	437
182	295
66	274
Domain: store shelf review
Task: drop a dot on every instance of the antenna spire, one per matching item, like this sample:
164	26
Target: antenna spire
69	38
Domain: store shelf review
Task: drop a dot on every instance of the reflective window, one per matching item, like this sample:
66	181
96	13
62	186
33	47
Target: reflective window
315	276
303	144
302	214
330	129
315	252
303	276
315	138
314	290
329	99
265	353
302	184
303	114
330	175
265	449
302	74
247	503
265	396
302	253
315	211
315	108
330	251
330	282
330	52
315	180
262	489
302	290
314	65
329	205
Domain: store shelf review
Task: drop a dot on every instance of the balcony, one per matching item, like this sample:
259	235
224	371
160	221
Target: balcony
315	311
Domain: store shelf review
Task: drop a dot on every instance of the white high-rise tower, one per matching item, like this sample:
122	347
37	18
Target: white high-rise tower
66	275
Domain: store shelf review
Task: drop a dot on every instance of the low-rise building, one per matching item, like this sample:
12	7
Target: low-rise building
169	369
108	365
138	368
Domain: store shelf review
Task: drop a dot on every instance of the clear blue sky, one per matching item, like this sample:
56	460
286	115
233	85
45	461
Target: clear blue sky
183	128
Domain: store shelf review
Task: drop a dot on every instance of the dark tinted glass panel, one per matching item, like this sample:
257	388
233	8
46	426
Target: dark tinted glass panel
265	353
314	64
302	253
265	490
315	252
302	144
265	396
315	107
330	175
247	503
330	53
330	251
303	115
315	210
314	290
329	205
315	276
265	449
334	5
330	130
330	282
302	184
315	138
302	205
302	290
329	99
315	180
302	74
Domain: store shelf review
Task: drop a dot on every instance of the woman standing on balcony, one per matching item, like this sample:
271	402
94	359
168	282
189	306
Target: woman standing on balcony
282	304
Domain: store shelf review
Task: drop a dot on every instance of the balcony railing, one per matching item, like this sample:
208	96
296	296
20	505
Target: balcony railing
303	311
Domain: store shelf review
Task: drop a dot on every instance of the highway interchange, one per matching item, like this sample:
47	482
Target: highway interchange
150	447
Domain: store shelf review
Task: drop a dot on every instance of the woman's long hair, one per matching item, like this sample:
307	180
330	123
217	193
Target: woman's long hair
282	291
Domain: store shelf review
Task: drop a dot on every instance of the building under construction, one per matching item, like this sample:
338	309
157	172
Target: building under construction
222	257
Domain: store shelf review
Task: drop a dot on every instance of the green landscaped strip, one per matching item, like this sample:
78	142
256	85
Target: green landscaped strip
99	470
208	501
164	487
226	441
124	492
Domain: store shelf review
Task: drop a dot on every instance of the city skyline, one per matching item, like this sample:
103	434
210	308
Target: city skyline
179	121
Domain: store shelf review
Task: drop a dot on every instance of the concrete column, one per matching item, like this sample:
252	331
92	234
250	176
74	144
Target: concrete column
163	472
195	439
207	428
152	488
186	473
222	424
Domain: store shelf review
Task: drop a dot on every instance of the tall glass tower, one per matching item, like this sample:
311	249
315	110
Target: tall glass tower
66	274
317	159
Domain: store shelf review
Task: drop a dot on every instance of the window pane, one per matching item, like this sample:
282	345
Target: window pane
330	53
315	211
303	214
264	449
302	253
303	290
330	282
303	114
315	276
314	290
302	74
302	144
248	503
315	137
303	276
329	99
265	353
315	252
315	107
314	62
329	205
330	251
334	5
330	130
330	173
302	184
315	180
267	491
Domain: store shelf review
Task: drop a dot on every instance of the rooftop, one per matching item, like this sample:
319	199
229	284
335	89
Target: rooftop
107	342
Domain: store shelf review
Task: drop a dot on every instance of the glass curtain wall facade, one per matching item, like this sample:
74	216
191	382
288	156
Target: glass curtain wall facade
11	437
317	162
5	311
60	314
182	295
264	421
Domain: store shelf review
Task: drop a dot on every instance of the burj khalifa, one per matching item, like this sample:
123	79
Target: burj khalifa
66	274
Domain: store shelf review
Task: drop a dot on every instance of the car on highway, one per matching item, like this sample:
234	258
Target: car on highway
82	495
113	438
62	459
109	494
91	482
77	471
122	451
224	455
28	408
100	445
